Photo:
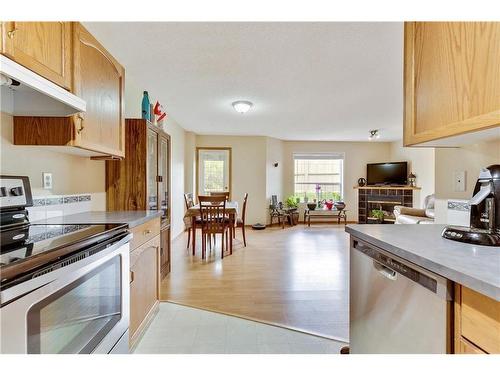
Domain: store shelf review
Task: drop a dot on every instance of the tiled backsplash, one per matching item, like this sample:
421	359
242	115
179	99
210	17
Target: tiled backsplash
45	207
458	212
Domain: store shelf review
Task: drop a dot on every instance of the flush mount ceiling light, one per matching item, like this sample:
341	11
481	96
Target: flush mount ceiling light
242	106
374	135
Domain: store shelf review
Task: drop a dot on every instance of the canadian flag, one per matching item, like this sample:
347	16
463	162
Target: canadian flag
158	111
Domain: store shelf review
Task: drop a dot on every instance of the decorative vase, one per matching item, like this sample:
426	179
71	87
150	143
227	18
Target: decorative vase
339	205
329	205
361	181
146	106
311	206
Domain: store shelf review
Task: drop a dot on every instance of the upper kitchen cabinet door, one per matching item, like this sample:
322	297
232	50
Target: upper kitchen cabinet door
99	80
451	79
43	47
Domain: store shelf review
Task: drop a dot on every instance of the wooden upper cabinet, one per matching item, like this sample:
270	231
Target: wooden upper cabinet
43	47
99	80
451	79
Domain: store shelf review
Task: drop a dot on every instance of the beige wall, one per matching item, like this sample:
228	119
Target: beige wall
356	156
190	162
470	159
248	171
253	170
421	163
71	174
274	175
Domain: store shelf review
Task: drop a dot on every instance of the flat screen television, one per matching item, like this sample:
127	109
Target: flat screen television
387	173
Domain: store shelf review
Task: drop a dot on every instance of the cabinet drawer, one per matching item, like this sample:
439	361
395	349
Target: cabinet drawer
480	320
144	232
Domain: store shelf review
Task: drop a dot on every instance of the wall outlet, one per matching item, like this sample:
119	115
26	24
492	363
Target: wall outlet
459	181
47	180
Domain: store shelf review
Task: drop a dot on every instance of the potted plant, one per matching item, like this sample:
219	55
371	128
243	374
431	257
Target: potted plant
379	215
291	203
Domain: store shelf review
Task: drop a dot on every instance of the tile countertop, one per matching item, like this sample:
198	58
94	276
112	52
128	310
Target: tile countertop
132	218
476	267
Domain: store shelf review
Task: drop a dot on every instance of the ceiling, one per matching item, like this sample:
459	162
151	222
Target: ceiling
308	81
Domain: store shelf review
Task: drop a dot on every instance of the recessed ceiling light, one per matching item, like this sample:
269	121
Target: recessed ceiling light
242	106
374	135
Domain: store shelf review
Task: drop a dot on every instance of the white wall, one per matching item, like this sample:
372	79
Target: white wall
70	174
471	159
421	163
248	171
356	156
177	137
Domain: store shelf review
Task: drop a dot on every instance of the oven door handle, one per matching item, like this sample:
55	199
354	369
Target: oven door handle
32	285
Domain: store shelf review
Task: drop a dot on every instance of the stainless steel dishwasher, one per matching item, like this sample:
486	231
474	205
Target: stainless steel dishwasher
396	306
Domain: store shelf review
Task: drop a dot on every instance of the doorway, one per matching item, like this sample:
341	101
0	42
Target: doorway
213	170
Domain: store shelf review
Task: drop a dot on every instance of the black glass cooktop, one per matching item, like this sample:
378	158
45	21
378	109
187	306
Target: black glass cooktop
18	244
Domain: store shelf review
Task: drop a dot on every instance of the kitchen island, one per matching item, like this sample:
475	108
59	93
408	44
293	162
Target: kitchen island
471	273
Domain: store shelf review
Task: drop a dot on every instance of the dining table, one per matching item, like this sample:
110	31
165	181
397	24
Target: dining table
194	211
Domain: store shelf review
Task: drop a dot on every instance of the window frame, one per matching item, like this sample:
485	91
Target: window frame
318	156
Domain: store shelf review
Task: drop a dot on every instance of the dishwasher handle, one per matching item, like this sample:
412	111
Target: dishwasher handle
393	267
385	271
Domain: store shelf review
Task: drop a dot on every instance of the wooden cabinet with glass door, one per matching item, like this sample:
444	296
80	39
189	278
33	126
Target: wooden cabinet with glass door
142	180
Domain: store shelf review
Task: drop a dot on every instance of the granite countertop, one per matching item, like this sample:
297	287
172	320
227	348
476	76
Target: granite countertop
476	267
132	218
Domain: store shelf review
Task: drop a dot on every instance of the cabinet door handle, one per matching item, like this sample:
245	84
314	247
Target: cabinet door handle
80	127
12	32
132	274
146	232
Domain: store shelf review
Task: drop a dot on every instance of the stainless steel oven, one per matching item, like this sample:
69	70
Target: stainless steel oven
77	304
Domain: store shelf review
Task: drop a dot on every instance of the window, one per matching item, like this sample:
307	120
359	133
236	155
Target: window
319	176
214	170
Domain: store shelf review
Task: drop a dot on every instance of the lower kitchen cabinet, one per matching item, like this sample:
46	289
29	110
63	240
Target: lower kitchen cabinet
145	259
165	252
477	322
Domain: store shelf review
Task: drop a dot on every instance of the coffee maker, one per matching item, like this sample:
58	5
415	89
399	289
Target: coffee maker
484	226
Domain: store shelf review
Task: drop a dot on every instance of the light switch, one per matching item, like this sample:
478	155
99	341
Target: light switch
459	181
47	180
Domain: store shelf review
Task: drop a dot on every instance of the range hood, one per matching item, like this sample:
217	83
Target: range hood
24	93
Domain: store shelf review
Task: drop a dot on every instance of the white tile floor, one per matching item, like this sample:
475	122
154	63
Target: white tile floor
177	329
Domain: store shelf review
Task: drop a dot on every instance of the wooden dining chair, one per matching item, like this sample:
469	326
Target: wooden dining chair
214	220
224	193
240	222
189	201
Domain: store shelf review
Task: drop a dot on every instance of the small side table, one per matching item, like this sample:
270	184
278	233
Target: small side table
321	214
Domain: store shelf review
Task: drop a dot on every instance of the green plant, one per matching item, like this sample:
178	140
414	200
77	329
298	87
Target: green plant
378	214
291	202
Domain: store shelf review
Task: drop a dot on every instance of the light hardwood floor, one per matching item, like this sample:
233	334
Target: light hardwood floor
296	278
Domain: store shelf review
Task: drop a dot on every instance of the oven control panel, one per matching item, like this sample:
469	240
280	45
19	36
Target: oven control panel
14	192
